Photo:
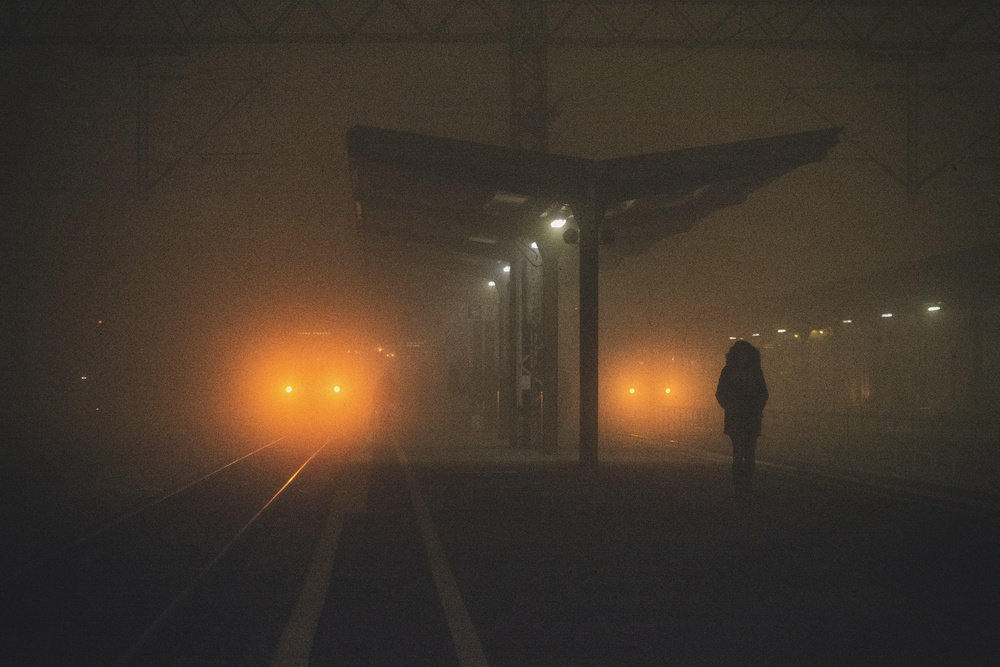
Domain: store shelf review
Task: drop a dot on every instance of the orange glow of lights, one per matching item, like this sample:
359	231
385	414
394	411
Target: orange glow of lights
308	383
631	390
668	390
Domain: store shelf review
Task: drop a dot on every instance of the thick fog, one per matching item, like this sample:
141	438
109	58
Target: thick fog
160	285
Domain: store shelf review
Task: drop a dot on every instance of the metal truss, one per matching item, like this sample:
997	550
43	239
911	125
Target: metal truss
948	98
919	35
897	26
152	168
530	110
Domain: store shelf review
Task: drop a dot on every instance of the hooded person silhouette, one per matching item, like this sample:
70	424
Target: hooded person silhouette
742	393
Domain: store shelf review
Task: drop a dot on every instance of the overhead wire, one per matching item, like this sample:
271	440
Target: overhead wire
621	83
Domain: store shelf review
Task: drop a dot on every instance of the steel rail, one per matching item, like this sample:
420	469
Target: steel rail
151	630
97	532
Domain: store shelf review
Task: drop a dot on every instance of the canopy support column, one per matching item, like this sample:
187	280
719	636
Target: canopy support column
588	219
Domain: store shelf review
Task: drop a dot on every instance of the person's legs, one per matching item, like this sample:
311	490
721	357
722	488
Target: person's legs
743	460
738	459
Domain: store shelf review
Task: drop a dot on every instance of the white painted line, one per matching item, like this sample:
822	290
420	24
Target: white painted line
468	648
296	641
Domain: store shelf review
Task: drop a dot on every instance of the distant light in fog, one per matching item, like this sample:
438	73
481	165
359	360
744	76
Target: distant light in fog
534	246
845	321
886	314
782	330
756	334
668	390
933	308
288	389
506	269
336	389
492	283
557	223
631	390
83	377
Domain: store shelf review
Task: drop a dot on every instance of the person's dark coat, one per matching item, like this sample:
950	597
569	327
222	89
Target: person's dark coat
742	392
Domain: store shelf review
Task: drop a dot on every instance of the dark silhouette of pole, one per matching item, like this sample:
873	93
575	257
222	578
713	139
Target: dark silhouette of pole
548	361
587	218
508	393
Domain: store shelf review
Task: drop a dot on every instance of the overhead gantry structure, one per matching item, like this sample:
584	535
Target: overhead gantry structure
480	199
919	34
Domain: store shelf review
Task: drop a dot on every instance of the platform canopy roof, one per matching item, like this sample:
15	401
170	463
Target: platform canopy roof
482	200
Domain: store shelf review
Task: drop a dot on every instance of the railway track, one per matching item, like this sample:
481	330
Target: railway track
299	554
135	590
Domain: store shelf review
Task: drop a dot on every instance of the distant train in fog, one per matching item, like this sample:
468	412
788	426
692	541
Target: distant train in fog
314	380
912	350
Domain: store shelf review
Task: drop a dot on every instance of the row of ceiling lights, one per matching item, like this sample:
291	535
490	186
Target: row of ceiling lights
930	309
555	224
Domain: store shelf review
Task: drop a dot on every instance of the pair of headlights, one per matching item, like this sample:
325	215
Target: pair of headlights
289	389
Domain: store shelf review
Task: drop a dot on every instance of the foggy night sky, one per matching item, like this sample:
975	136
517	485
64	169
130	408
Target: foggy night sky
254	230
